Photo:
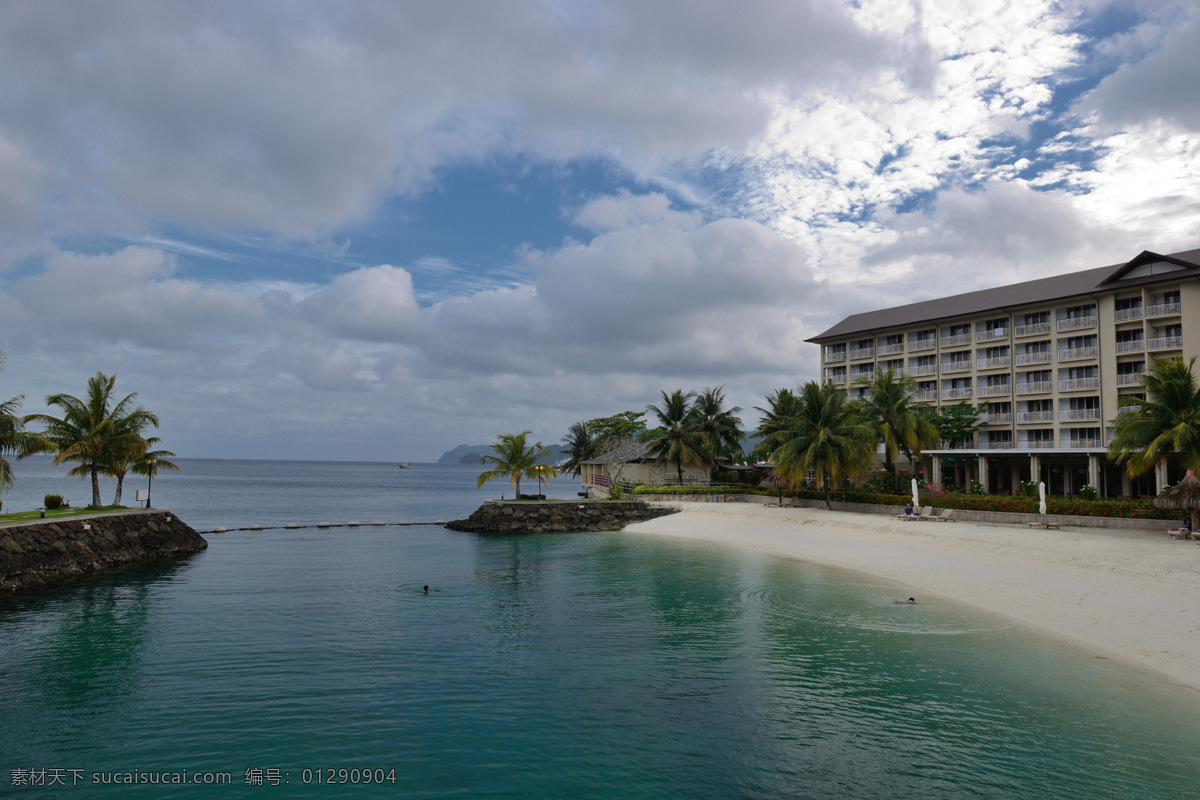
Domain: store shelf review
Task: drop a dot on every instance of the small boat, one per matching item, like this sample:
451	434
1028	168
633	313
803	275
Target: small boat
406	465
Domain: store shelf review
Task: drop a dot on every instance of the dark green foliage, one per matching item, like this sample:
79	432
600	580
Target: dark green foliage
52	501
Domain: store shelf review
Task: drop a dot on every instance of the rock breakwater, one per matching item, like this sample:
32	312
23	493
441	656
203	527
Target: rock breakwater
497	516
35	554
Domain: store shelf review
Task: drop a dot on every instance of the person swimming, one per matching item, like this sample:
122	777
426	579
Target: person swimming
912	601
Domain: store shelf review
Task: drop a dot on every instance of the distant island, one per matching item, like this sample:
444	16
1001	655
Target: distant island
473	454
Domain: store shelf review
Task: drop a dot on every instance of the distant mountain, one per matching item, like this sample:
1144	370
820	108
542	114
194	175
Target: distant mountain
471	454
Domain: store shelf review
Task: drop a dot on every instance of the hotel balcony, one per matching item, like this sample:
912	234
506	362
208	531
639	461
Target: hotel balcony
958	338
862	352
1031	329
1163	310
1165	343
865	375
1075	384
1078	414
1004	418
1035	416
837	378
1035	387
1033	358
1000	390
985	444
925	395
923	369
963	393
1076	353
1131	346
1127	314
921	344
993	363
1129	378
1038	444
1082	444
888	349
1075	323
956	366
992	335
835	355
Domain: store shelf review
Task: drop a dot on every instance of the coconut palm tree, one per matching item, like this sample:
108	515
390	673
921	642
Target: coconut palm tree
513	459
721	426
91	430
677	440
581	445
138	459
12	434
1164	425
828	439
778	419
889	410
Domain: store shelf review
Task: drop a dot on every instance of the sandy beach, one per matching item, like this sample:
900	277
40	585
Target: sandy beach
1128	595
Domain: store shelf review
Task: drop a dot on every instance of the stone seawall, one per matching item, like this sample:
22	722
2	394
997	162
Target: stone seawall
35	554
496	516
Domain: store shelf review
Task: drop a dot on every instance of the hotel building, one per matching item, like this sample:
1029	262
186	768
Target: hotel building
1051	357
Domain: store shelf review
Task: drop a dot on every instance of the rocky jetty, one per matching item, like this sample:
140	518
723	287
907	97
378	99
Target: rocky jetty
35	554
553	516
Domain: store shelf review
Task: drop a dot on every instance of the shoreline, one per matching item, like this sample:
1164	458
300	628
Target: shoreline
1133	596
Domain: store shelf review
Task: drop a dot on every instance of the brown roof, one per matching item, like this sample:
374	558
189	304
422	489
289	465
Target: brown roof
1057	287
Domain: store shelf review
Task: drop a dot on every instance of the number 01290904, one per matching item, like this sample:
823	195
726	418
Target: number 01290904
329	775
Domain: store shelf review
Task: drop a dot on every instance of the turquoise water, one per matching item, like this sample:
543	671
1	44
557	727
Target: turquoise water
548	666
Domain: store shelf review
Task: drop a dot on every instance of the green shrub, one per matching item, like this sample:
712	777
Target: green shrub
53	501
1087	493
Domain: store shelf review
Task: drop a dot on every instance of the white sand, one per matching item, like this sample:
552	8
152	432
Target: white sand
1129	595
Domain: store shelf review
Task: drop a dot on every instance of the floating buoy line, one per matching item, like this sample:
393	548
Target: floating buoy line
293	526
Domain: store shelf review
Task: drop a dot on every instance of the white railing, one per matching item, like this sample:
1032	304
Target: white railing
999	444
958	338
1075	384
923	369
864	375
1041	357
1131	346
1035	416
1033	387
1090	444
862	352
1126	314
1003	418
1165	343
1075	353
1162	309
1129	378
956	366
1074	323
1077	414
888	349
1031	328
992	363
835	355
961	393
921	344
991	334
995	391
836	377
925	394
1037	444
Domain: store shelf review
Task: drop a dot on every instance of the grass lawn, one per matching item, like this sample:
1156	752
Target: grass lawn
61	513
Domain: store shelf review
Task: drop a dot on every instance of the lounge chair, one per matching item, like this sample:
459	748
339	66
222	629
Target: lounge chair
1174	534
926	513
914	515
1047	525
945	516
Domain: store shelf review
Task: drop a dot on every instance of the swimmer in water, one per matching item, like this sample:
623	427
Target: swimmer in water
912	601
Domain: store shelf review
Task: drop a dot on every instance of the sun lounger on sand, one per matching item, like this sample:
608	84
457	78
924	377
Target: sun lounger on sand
1174	534
944	516
915	512
1046	525
926	513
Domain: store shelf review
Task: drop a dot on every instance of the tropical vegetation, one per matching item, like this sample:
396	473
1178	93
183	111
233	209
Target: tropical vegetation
1163	426
139	459
888	409
94	432
514	459
12	434
678	439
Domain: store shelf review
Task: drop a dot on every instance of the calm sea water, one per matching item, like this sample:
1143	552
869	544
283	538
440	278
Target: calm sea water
546	666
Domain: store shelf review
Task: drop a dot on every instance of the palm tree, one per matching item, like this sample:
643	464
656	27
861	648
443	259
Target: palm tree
677	440
91	431
513	459
138	459
12	434
778	420
1164	425
581	445
827	438
722	428
889	410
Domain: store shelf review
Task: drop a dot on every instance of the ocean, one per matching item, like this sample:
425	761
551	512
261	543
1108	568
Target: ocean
591	665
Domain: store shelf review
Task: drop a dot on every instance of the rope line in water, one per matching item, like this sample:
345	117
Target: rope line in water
291	526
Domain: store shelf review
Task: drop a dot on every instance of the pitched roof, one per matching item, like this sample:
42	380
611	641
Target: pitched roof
626	453
1057	287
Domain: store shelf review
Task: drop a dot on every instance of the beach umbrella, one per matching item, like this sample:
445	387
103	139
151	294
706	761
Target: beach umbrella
916	500
1185	494
1042	500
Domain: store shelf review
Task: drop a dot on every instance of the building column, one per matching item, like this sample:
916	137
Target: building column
1160	477
1094	473
1015	480
935	471
983	474
1126	483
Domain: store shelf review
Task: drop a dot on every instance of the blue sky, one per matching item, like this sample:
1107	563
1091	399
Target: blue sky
377	231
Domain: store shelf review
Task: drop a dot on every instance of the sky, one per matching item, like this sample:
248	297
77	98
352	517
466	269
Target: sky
375	231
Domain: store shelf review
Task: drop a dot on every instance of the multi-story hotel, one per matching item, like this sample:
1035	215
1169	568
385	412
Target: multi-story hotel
1051	358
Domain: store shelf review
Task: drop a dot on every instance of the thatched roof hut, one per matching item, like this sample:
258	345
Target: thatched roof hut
1185	494
773	481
